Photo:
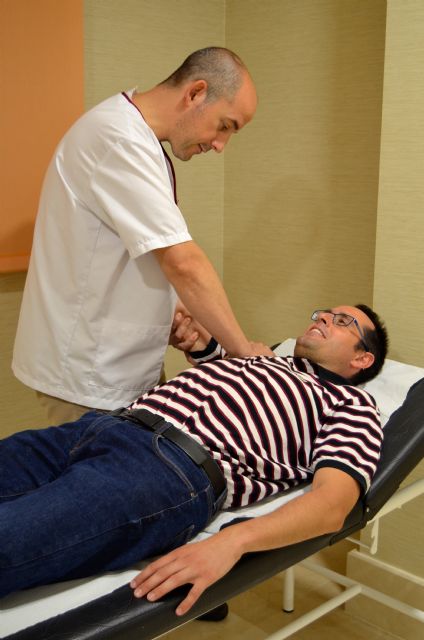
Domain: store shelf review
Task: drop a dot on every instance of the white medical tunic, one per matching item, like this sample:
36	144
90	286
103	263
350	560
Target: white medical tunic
97	309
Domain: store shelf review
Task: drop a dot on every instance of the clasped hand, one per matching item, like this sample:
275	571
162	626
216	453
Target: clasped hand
189	335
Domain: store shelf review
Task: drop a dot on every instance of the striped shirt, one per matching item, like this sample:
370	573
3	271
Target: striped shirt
271	422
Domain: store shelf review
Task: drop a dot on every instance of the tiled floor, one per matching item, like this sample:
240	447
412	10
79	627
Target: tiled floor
256	614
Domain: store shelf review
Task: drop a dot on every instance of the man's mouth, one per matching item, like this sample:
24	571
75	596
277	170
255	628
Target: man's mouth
317	330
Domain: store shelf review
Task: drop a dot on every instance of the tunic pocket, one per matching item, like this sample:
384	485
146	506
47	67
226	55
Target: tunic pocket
129	356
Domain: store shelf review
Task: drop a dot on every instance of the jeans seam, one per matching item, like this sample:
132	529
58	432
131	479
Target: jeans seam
84	440
5	497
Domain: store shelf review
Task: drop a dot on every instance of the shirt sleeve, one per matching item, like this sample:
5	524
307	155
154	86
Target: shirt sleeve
351	439
135	197
213	351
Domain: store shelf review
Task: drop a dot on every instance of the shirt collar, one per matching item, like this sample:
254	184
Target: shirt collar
329	376
303	364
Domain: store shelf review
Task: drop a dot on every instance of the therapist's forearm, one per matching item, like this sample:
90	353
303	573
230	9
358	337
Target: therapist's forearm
195	280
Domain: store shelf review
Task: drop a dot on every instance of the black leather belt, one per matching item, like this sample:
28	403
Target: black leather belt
195	451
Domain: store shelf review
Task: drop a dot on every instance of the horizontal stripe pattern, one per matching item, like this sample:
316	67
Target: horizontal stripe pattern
270	422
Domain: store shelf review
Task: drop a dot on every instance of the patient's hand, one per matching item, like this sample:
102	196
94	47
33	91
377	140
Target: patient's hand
186	333
183	334
199	564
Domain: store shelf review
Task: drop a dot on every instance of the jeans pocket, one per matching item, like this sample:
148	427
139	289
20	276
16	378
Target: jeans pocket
176	460
96	426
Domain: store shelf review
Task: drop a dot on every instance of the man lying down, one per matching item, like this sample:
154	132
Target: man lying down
113	488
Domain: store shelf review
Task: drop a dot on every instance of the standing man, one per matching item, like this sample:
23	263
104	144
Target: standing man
111	249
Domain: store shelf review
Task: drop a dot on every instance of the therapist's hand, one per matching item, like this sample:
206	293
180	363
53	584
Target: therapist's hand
260	349
199	563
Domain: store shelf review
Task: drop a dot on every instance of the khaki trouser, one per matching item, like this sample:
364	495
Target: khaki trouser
60	411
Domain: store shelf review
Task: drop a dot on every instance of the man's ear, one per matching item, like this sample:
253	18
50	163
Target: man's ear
363	360
196	93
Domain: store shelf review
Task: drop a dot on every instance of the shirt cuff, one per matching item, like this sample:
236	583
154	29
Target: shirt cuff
213	351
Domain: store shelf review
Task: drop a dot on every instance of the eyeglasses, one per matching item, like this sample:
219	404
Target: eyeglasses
341	320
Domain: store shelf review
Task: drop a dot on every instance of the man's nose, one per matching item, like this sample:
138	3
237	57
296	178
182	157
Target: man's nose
221	140
218	145
324	317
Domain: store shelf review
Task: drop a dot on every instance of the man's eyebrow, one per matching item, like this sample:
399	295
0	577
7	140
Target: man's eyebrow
235	125
341	313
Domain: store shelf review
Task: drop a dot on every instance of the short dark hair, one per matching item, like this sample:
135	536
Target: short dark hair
377	341
221	68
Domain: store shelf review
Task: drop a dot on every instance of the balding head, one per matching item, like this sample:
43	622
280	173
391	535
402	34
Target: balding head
221	68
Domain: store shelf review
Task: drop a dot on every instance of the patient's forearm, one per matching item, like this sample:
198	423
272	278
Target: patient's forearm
298	520
319	511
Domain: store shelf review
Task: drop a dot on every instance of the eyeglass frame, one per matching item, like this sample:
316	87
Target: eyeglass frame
314	317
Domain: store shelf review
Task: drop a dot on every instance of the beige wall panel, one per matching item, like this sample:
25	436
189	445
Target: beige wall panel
399	270
301	186
399	266
139	43
19	407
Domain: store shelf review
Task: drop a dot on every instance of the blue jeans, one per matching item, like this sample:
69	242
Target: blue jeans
94	495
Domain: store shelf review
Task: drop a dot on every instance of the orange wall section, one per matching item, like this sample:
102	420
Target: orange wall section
41	95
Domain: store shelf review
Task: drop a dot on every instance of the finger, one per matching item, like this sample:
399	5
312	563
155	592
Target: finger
173	583
179	307
183	328
147	585
192	597
150	569
176	320
141	577
162	582
188	343
155	574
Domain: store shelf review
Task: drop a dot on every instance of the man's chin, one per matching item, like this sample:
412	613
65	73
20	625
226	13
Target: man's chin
298	349
303	347
187	153
182	156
